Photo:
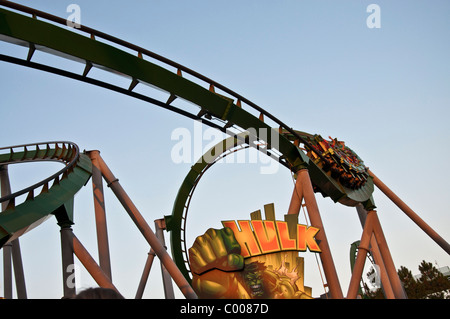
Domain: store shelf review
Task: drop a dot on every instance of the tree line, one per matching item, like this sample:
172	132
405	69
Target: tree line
430	284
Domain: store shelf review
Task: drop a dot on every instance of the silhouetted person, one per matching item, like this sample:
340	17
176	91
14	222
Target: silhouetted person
99	293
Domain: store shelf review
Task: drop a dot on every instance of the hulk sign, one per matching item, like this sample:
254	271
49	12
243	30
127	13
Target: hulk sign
238	264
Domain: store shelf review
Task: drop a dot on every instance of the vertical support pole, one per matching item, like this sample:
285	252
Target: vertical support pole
386	284
372	224
145	274
388	261
7	271
146	231
18	269
100	215
363	249
296	199
5	186
67	262
7	266
411	214
303	187
13	248
160	225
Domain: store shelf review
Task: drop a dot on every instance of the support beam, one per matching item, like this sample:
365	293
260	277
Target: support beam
7	265
160	225
145	274
7	271
375	250
167	280
388	261
411	214
91	266
5	186
100	215
297	198
67	262
363	249
146	231
303	189
18	269
70	246
372	230
12	250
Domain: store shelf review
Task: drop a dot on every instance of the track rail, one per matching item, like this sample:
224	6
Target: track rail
52	195
142	51
67	154
176	223
218	106
205	112
224	110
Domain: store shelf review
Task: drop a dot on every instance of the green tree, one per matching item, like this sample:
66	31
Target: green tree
431	284
410	284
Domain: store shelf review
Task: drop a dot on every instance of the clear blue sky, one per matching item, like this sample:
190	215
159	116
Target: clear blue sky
313	64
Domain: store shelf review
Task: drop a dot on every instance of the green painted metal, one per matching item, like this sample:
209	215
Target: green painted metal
23	30
176	223
353	254
40	35
54	199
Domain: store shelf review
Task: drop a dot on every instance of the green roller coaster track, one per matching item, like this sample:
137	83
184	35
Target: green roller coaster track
177	221
218	107
52	199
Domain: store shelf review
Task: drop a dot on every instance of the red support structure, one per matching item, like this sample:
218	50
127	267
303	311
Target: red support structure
372	230
411	214
304	190
146	231
100	214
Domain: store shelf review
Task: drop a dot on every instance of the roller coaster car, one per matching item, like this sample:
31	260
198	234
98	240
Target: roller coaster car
339	161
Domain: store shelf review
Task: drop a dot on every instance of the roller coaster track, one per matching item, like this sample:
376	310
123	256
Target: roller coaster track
217	106
55	192
224	110
178	219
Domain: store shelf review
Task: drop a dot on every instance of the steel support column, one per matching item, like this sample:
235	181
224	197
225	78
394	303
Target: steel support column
100	215
12	249
167	280
7	266
372	228
410	213
90	264
145	274
363	249
7	271
388	261
375	250
18	269
146	231
303	189
67	262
